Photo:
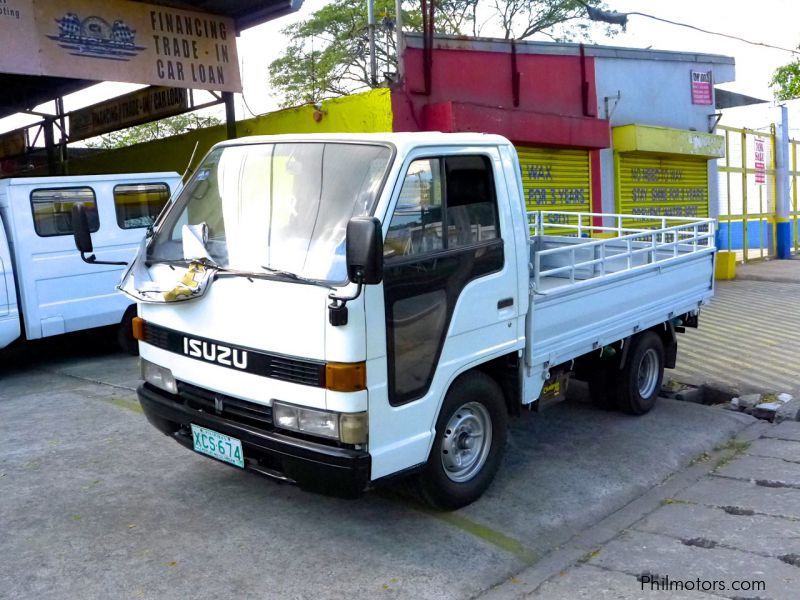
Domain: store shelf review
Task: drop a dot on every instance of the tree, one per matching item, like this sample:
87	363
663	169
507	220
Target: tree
154	130
329	52
786	81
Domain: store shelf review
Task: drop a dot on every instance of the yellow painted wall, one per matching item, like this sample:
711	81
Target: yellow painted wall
359	113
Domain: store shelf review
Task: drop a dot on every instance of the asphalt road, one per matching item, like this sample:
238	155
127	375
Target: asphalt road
95	503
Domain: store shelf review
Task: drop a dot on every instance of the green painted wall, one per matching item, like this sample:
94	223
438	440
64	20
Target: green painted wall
360	113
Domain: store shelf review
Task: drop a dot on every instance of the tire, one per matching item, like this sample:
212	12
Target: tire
639	380
125	337
602	382
474	405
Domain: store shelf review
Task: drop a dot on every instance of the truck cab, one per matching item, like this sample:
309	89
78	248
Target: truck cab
340	310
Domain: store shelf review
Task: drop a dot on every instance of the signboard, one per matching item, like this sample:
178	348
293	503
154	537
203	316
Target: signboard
12	143
131	109
702	82
661	185
118	40
760	161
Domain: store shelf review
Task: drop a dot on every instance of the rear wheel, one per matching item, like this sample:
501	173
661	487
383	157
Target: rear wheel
470	440
639	382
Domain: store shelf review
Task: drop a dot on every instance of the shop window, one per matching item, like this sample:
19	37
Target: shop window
52	210
138	204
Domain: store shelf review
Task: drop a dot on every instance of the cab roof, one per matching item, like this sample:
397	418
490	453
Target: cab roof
402	141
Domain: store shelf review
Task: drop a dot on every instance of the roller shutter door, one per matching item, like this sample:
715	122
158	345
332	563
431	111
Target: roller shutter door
662	185
556	179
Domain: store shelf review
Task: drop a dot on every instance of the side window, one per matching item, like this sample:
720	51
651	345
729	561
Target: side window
52	210
416	226
138	205
471	201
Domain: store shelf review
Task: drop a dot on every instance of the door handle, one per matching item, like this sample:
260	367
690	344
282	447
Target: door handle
505	303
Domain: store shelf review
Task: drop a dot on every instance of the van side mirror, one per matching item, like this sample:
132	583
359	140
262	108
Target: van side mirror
80	228
364	250
83	236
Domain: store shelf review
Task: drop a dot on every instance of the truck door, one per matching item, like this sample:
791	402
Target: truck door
450	279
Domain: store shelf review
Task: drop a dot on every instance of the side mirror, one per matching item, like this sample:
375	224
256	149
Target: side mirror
365	250
80	228
83	237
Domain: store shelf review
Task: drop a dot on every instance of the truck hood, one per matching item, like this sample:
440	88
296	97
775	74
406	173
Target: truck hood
267	315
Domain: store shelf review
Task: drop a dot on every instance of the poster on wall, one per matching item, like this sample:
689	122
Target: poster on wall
118	40
702	83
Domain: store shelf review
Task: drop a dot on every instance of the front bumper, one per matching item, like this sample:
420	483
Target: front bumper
313	466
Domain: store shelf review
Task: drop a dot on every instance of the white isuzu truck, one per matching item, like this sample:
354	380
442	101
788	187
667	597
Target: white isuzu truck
338	310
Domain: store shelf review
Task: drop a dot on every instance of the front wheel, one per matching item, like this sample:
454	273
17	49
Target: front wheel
640	379
470	440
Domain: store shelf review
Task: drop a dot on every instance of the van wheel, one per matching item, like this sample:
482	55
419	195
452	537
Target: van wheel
470	440
125	337
640	379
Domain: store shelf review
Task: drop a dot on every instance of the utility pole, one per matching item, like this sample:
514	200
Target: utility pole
373	60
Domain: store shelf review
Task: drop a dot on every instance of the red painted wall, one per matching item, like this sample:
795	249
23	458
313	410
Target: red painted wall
473	91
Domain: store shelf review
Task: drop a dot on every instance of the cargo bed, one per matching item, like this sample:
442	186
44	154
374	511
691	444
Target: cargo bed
587	292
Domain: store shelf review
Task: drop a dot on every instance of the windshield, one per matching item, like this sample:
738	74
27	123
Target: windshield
261	207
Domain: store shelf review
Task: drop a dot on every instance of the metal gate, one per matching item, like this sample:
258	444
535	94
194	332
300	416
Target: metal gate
747	194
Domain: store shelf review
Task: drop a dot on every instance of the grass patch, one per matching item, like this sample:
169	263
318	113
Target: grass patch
730	450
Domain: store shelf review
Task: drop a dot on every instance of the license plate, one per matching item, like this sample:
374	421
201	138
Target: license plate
218	445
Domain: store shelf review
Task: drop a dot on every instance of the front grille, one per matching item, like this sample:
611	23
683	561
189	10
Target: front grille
233	409
266	364
298	371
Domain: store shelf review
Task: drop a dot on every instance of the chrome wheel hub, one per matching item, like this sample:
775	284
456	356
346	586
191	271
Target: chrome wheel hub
648	373
466	441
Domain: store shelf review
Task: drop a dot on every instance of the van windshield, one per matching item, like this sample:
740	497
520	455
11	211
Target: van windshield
266	207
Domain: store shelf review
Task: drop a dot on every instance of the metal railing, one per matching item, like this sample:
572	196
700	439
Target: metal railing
658	241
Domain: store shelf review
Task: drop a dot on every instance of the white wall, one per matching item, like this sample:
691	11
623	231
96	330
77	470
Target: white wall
655	91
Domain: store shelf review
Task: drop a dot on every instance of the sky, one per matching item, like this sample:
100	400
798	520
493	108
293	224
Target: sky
771	21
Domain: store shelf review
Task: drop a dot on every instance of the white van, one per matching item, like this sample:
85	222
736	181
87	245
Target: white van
45	288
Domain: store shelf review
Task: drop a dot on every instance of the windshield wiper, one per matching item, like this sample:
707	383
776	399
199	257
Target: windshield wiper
294	276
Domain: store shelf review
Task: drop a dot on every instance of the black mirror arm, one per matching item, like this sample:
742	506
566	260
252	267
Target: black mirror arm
92	260
337	309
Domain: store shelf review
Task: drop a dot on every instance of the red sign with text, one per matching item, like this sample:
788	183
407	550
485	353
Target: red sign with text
701	88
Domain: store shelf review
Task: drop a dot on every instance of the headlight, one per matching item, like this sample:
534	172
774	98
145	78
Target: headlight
350	428
160	377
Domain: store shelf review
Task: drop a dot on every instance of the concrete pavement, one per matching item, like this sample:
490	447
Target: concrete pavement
729	526
95	503
749	336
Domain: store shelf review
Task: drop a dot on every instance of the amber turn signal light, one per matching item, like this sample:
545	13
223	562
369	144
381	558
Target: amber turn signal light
346	377
138	324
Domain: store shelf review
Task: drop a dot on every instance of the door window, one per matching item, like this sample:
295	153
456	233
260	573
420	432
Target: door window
416	226
52	210
471	201
138	204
